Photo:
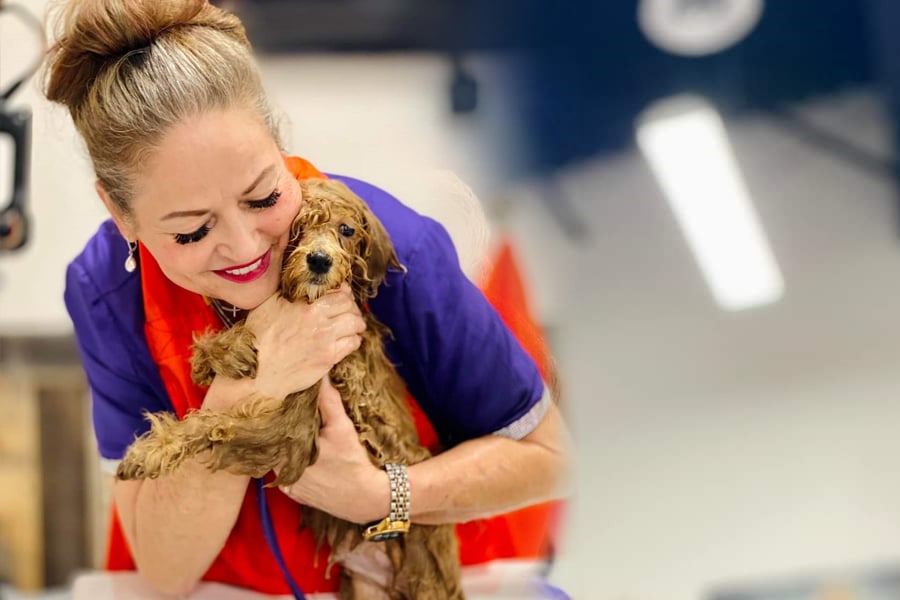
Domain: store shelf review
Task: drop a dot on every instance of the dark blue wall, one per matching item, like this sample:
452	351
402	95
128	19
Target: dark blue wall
591	70
597	71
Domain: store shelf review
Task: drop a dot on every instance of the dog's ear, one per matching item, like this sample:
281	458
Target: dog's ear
376	251
381	253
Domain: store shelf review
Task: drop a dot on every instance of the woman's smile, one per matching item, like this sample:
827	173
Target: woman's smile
248	272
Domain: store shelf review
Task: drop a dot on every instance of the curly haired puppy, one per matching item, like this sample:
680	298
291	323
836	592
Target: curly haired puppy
335	238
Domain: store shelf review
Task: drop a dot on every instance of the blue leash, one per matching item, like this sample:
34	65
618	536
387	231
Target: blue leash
272	541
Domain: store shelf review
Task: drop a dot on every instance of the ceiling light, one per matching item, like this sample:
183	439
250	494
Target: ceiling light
685	144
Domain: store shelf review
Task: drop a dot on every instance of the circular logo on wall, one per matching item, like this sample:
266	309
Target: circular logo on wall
698	27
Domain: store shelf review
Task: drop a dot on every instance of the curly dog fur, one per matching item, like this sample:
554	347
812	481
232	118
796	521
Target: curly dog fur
335	238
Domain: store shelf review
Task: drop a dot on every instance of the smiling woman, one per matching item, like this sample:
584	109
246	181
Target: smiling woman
213	204
168	100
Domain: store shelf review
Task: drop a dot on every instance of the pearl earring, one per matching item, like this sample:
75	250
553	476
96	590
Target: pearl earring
130	262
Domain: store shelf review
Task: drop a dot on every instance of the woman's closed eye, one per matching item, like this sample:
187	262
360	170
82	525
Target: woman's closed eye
266	202
194	236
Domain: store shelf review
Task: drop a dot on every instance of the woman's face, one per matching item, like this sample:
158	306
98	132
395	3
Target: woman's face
214	204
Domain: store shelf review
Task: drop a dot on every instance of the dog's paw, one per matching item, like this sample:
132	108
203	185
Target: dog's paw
242	359
202	360
229	353
202	374
130	470
292	470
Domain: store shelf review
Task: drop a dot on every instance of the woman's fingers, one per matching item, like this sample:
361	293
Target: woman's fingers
298	343
346	345
331	408
348	330
338	302
348	324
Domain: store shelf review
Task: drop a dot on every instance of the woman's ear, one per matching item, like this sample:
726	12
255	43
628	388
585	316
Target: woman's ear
123	223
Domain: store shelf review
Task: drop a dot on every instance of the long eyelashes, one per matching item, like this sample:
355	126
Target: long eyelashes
269	201
195	236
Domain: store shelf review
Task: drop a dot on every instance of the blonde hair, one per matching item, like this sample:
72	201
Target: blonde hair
128	70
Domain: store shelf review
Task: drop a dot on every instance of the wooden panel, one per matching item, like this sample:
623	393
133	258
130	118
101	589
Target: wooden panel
98	494
21	529
45	519
66	531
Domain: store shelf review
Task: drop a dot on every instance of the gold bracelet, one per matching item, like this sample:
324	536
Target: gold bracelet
396	523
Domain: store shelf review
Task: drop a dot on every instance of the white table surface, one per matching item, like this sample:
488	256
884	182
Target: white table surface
499	580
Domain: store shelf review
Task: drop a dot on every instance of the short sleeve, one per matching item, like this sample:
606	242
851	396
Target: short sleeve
113	352
461	363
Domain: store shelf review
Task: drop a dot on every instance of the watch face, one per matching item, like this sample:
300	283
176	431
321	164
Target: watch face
385	530
698	27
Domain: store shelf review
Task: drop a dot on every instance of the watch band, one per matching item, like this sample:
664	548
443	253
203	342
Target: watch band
397	521
400	499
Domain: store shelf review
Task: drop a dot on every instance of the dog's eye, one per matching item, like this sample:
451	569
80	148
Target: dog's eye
346	231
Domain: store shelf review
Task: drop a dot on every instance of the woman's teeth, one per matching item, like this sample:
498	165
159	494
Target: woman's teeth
245	270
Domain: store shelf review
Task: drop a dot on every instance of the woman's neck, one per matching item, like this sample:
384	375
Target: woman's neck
227	313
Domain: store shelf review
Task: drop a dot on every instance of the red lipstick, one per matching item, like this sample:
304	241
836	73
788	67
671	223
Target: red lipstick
246	273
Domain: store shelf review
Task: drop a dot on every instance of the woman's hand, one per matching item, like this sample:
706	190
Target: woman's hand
298	343
343	481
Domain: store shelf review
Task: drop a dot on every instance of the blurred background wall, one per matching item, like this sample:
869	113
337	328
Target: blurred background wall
718	449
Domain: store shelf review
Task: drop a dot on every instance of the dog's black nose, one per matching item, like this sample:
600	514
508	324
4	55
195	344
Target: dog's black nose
318	262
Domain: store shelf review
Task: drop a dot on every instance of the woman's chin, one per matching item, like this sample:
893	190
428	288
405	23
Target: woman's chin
246	301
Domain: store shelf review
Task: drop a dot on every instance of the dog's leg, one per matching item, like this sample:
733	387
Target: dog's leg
250	439
367	572
300	427
169	442
426	561
284	438
230	353
328	529
363	588
158	451
430	568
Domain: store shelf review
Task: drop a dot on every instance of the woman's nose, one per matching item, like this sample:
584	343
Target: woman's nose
240	241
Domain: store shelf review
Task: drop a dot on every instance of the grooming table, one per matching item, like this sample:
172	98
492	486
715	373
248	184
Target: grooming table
499	580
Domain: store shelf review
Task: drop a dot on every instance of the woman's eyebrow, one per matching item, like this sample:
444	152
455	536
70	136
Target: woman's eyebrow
200	212
185	213
266	172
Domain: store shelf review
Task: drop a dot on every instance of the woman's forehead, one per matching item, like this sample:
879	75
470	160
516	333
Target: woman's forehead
223	153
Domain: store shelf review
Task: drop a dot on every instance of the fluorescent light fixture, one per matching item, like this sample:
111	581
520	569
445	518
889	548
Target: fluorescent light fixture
686	146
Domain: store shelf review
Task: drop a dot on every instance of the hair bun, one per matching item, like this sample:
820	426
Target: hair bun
93	33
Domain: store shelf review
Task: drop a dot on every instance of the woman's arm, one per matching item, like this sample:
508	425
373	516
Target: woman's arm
492	475
177	525
478	478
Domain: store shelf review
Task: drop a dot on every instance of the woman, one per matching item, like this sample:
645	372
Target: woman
169	102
